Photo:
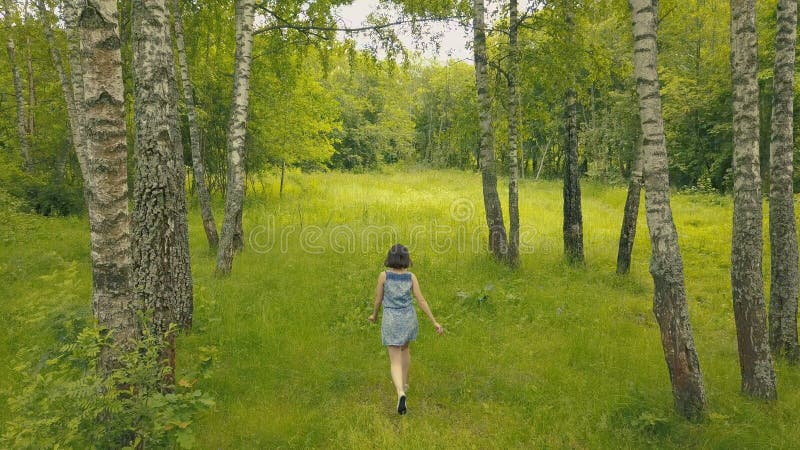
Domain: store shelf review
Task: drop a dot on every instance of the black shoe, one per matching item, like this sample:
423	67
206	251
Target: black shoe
401	405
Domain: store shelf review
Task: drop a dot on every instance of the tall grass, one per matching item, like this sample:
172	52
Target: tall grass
545	356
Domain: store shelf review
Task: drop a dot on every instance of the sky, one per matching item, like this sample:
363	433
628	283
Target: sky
452	39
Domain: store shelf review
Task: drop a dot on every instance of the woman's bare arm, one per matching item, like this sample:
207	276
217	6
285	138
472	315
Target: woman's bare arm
378	297
423	304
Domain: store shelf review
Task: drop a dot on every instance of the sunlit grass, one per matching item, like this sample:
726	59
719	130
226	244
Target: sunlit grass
545	356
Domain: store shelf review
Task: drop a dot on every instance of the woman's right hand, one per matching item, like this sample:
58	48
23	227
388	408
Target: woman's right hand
439	328
372	318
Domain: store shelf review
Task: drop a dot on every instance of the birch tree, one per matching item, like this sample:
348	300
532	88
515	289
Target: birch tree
231	239
22	134
162	270
782	224
513	137
666	265
491	200
73	116
209	224
113	301
71	15
29	63
755	360
572	225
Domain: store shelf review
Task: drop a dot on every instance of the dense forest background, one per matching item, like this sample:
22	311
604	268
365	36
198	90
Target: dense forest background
319	102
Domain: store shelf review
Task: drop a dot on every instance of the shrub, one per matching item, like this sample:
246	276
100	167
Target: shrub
68	403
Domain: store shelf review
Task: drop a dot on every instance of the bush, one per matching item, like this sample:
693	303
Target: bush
37	194
67	403
49	199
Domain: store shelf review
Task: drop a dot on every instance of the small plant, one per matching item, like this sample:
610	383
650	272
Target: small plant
69	403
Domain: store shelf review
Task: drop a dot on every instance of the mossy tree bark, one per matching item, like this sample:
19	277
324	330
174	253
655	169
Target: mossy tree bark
232	236
782	224
666	265
498	243
162	275
755	360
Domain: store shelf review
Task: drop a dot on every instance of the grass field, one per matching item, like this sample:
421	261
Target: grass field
545	356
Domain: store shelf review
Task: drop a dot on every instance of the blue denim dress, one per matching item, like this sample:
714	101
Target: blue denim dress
399	325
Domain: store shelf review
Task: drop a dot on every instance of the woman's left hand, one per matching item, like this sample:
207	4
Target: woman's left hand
372	318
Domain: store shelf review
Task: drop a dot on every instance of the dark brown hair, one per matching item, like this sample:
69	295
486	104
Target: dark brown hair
398	257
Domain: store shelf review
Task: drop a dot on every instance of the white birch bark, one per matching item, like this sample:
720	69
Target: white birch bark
755	359
22	134
231	237
113	301
209	224
666	265
782	223
513	137
498	243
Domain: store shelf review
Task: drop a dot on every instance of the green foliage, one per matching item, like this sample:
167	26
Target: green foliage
544	356
446	114
38	194
68	403
376	120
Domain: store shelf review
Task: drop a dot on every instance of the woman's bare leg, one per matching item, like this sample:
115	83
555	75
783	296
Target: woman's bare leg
406	362
396	367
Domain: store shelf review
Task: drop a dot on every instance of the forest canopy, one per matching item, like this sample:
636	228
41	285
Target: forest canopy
322	102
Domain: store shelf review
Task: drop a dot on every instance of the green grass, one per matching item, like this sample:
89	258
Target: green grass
546	356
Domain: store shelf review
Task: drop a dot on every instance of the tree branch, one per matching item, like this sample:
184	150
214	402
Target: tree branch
286	24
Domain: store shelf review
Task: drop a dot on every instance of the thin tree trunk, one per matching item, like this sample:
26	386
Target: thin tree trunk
162	271
24	145
232	238
184	303
66	89
71	10
573	218
491	200
782	224
541	162
629	218
666	265
209	224
283	175
31	83
755	360
513	138
113	301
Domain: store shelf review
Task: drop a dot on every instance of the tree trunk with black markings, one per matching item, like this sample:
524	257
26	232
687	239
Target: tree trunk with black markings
114	304
198	166
513	137
666	265
498	243
755	359
232	236
22	134
782	223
